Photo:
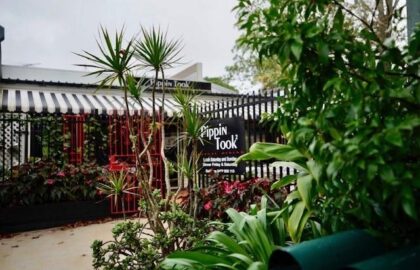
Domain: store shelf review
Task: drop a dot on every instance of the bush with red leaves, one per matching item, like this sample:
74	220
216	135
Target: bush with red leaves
240	195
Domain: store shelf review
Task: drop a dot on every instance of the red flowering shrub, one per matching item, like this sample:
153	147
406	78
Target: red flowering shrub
217	198
45	181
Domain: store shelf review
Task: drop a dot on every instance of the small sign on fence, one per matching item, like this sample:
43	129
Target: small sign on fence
224	142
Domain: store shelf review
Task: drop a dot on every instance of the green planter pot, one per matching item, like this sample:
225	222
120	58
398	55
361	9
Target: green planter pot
330	252
407	258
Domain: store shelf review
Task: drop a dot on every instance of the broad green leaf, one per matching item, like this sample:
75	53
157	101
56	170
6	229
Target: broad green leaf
304	184
197	257
302	225
296	49
264	202
253	209
316	228
410	123
295	219
372	171
257	266
295	195
388	175
313	31
241	257
334	82
221	238
394	136
408	202
289	164
315	169
174	263
287	180
264	151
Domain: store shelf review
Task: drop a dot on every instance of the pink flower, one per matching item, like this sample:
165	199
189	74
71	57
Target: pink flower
208	206
61	174
227	187
50	181
242	186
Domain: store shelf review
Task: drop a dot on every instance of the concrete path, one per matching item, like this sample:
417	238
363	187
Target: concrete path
56	249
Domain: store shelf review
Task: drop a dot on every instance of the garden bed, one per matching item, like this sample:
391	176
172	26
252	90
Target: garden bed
25	218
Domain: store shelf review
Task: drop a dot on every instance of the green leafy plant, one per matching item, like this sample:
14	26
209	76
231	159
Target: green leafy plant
153	52
116	186
46	182
135	246
299	206
157	53
239	195
350	114
191	124
247	244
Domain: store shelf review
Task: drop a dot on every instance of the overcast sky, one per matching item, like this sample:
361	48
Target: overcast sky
44	33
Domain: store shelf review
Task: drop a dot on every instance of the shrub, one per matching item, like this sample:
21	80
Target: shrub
134	246
350	114
247	244
239	195
44	182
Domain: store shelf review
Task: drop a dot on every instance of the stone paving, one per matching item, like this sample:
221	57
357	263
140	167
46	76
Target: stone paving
61	248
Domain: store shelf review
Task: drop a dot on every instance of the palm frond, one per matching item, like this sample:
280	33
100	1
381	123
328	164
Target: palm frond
155	51
114	59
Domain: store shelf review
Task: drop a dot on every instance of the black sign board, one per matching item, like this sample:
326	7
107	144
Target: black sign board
172	84
224	142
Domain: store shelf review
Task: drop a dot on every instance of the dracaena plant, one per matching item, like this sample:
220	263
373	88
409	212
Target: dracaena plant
116	186
118	60
192	125
114	61
156	53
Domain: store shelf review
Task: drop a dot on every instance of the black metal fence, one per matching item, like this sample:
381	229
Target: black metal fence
251	108
29	137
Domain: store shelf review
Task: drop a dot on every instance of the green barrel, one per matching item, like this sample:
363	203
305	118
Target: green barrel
330	252
407	259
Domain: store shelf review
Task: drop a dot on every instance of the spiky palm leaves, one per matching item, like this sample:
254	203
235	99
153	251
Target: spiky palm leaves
115	59
193	127
116	186
116	63
156	52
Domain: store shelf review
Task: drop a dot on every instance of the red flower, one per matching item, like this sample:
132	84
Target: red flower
50	182
227	187
61	174
242	186
208	206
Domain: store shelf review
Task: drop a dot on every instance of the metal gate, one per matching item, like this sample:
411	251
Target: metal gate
122	158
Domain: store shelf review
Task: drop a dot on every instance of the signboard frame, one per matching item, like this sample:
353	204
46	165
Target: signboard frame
224	142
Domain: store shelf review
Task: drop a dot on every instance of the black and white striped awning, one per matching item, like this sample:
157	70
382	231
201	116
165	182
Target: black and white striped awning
76	103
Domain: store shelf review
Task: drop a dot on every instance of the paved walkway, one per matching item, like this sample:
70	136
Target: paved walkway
55	249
